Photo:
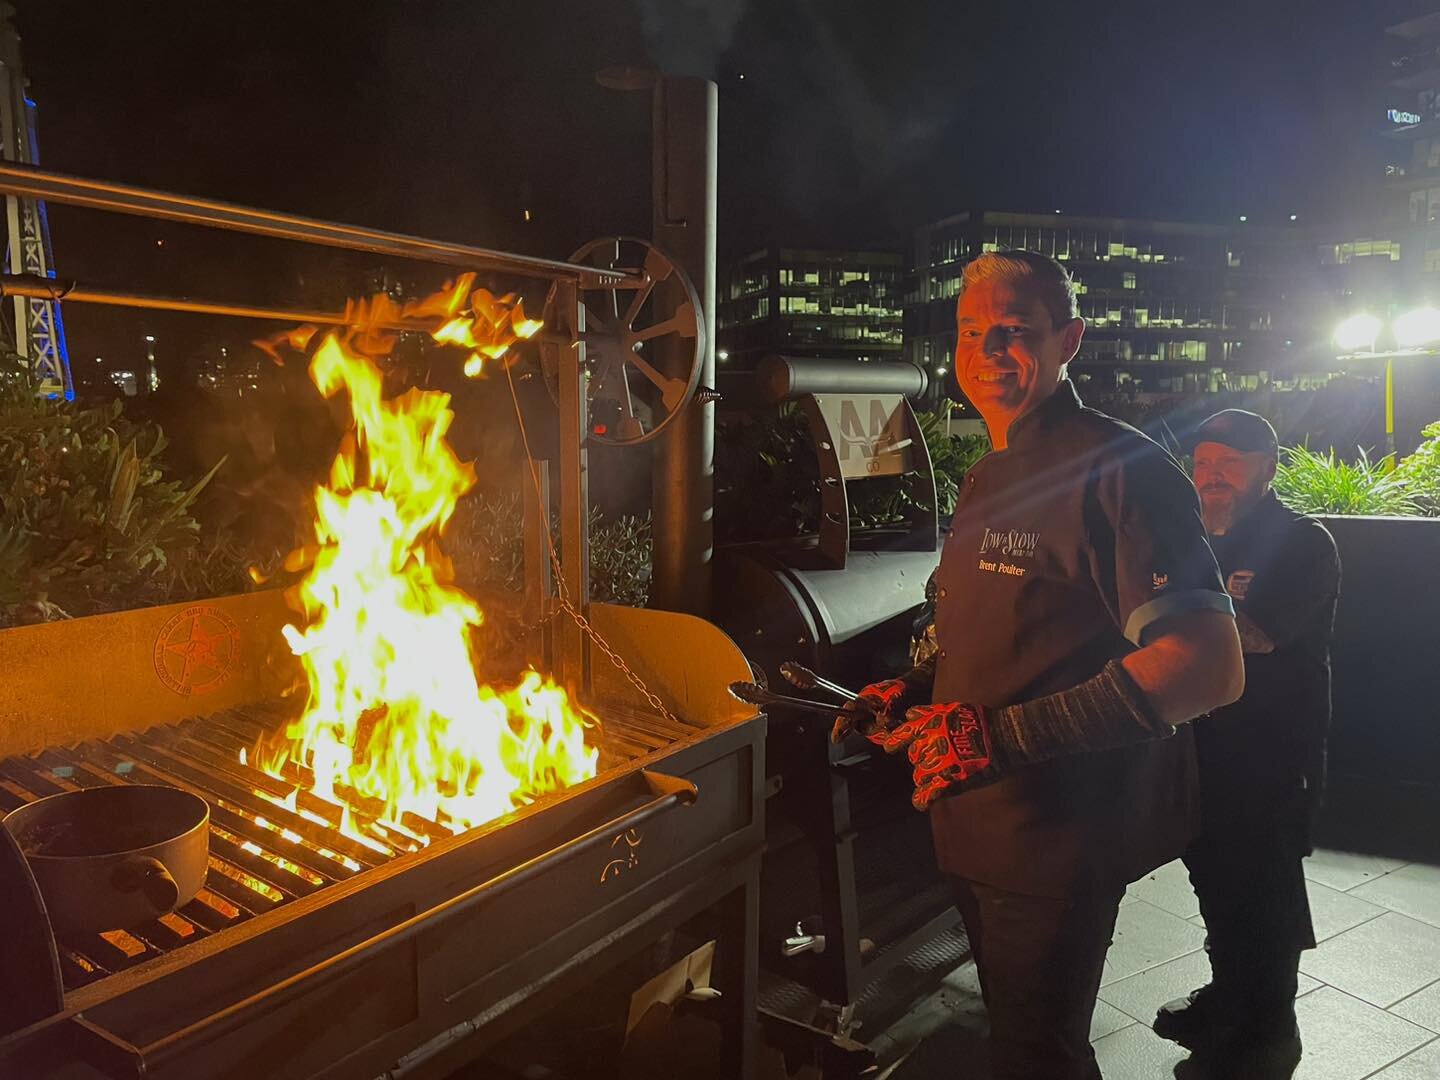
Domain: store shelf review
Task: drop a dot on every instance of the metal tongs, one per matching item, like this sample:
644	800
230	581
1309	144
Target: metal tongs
755	694
805	679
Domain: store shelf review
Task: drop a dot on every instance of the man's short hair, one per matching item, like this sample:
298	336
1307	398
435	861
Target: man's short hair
1048	279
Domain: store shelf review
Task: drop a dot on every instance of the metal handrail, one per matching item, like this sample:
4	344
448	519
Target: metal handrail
33	286
26	180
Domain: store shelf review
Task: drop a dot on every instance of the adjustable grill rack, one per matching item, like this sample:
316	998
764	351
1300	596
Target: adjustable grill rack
262	853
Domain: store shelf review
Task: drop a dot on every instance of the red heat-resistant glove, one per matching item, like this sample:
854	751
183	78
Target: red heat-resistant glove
948	745
876	708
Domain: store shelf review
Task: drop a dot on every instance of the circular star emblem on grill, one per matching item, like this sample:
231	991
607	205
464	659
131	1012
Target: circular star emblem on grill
196	650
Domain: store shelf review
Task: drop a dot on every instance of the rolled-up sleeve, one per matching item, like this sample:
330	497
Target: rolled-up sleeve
1149	556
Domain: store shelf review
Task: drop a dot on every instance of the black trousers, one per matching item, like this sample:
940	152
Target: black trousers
1251	887
1040	962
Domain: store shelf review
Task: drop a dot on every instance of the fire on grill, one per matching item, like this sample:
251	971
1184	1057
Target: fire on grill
396	717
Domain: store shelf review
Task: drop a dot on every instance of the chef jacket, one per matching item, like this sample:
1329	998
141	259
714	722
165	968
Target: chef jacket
1262	759
1066	550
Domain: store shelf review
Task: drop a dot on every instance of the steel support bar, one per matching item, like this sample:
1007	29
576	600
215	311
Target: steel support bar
572	649
28	285
26	181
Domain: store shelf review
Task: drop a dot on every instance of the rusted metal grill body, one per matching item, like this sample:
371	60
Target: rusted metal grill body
315	957
540	899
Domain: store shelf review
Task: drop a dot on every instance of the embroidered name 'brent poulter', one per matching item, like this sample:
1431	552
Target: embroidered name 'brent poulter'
1010	543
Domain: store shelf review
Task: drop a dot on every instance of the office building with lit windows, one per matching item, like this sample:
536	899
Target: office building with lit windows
794	302
1170	307
1411	127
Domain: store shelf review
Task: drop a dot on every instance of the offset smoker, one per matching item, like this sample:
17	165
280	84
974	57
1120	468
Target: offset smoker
317	955
851	887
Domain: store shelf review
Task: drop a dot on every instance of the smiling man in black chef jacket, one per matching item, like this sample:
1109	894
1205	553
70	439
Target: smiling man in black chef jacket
1080	618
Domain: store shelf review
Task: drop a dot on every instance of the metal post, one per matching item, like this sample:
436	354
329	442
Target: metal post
683	495
572	650
539	579
1390	411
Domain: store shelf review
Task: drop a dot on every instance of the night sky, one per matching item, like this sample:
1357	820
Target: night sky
852	123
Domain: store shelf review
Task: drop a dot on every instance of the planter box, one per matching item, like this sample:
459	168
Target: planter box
1387	652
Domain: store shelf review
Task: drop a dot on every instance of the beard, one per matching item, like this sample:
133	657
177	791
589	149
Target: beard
1221	506
1218	513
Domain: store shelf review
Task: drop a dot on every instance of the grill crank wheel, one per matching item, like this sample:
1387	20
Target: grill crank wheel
644	345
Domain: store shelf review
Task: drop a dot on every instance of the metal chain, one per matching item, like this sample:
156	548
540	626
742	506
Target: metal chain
560	589
618	660
594	635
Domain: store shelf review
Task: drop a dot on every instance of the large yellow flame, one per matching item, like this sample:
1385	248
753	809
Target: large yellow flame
396	712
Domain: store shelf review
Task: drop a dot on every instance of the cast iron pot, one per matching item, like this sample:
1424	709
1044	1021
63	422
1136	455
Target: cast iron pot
111	858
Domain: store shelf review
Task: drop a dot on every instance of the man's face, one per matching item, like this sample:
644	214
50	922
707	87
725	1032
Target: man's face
1230	482
1009	354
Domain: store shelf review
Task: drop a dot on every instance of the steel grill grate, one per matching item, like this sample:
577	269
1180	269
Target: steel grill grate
262	853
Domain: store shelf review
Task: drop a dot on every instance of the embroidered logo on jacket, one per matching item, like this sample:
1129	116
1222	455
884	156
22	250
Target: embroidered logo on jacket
1012	543
1238	583
1007	544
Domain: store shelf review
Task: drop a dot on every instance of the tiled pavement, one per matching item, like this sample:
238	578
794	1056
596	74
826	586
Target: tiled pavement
1369	1005
1369	1001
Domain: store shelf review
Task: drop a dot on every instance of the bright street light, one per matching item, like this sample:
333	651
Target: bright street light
1357	332
1418	327
150	338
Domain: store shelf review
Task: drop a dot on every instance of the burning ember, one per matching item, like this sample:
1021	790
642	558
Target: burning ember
397	717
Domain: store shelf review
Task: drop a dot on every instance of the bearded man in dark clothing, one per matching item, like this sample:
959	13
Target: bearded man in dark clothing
1262	759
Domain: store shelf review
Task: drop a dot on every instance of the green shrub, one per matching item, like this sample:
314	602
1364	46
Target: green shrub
1315	483
89	521
767	482
486	545
1421	470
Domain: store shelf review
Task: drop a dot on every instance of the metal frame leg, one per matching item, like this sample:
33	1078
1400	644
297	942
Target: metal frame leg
737	973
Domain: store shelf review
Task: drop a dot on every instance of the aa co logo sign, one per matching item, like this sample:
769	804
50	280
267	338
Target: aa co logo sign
869	433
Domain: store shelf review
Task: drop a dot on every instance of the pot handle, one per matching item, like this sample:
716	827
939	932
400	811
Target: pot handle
149	875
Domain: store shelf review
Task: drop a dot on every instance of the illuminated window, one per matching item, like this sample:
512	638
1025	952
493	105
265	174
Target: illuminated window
1128	280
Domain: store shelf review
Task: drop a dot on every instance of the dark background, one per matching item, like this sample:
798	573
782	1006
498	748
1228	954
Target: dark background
842	122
